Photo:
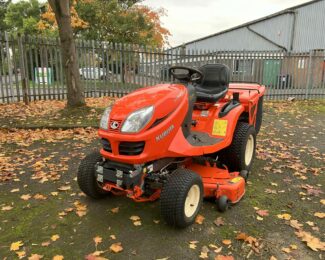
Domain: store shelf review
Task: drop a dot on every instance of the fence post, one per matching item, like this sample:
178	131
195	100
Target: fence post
22	70
309	74
9	66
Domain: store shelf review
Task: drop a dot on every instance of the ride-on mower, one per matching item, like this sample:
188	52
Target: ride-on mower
178	142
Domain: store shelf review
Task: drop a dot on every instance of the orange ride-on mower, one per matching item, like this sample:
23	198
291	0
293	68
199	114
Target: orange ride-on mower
178	142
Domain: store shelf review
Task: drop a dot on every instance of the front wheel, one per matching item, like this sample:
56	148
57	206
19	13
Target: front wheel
181	198
86	176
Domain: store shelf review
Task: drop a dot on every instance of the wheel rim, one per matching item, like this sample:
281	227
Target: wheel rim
192	201
249	151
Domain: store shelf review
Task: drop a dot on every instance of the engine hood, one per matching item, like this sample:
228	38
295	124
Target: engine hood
164	97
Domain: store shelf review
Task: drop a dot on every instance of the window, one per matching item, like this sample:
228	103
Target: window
243	67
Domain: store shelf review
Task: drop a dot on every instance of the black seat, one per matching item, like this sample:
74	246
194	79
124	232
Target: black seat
214	84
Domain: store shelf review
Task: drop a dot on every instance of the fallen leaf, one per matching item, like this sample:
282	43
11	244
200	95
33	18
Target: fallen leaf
224	257
116	247
54	193
219	222
319	214
21	254
295	224
293	247
137	223
226	242
14	190
46	243
35	257
64	188
286	250
259	218
115	210
58	257
262	212
16	245
312	242
322	201
39	197
135	218
55	237
97	240
199	219
284	216
112	237
25	197
6	208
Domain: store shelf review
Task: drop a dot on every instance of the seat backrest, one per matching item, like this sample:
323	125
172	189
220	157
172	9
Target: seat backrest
216	77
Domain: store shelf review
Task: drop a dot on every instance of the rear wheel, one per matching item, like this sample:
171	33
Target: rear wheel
240	154
87	178
181	198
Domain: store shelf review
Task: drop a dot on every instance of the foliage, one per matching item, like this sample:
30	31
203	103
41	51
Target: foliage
48	23
123	21
23	16
3	9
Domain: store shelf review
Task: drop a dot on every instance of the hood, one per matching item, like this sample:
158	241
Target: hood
164	97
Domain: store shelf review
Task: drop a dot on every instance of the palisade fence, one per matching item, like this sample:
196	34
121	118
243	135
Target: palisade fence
32	67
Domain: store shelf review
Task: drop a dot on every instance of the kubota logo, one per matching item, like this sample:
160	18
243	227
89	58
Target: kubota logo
114	125
165	133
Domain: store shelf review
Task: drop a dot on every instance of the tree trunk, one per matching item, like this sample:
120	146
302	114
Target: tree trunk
75	90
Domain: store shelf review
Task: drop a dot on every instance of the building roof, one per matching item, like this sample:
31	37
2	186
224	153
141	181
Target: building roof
285	11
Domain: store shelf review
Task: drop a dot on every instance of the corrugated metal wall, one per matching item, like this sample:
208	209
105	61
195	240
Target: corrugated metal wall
309	33
310	27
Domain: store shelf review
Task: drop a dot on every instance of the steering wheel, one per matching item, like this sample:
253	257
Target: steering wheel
187	74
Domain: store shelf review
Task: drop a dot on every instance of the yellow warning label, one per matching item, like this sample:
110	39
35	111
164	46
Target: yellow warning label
236	179
219	127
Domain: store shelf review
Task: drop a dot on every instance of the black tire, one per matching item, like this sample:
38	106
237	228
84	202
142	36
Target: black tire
259	115
174	194
234	155
223	203
86	176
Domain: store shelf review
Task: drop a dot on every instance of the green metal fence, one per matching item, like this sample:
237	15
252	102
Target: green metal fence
32	67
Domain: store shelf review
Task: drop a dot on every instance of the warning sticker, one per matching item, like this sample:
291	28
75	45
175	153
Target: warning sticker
219	127
236	179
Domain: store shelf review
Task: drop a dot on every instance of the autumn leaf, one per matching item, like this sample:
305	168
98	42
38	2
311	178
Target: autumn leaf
262	212
224	257
199	219
295	224
6	208
112	237
115	210
46	243
25	197
219	222
58	257
135	218
322	201
35	257
97	240
64	188
16	245
137	223
319	214
116	247
21	254
226	242
284	216
312	242
55	237
39	197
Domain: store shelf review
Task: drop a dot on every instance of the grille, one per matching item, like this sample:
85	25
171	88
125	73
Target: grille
131	148
106	145
117	123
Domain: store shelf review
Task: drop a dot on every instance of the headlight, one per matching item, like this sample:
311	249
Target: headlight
137	120
105	118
